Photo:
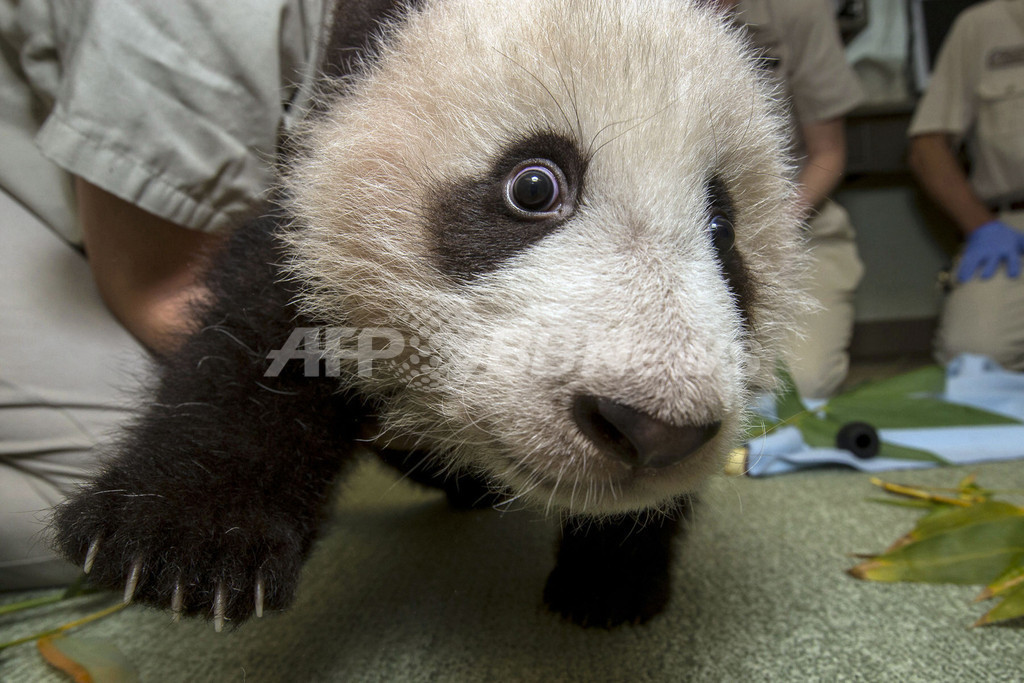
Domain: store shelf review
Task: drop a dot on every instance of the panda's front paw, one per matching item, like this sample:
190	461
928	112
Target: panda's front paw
599	597
184	553
613	572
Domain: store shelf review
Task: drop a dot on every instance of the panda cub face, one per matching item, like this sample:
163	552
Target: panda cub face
577	216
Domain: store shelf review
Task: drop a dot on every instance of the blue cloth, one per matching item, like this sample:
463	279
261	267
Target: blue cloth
971	380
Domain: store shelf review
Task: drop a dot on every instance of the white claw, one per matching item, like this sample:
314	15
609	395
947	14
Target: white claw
259	595
219	607
133	581
177	600
90	556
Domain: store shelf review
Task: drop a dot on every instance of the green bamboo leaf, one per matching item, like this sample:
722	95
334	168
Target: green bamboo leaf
968	539
66	627
929	380
787	401
901	412
760	426
949	518
969	553
30	604
79	586
909	401
1011	607
1010	579
820	432
968	488
74	590
891	450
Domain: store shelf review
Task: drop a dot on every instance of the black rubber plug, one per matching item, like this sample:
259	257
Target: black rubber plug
859	438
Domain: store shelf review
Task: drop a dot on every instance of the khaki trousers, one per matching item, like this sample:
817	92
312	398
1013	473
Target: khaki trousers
65	369
818	351
985	316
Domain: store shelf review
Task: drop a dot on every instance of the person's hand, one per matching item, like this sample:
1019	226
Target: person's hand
987	247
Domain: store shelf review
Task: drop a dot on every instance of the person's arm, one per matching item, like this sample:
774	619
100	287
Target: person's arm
990	242
145	267
823	168
932	161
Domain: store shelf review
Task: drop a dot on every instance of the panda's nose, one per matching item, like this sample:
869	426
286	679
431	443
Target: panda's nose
636	437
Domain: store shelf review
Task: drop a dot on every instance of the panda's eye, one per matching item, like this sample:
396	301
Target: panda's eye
722	233
534	189
720	225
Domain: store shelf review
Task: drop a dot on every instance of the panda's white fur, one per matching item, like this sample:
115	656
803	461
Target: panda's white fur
631	301
626	300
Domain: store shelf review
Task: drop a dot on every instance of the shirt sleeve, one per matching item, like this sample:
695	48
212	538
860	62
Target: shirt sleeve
822	83
948	105
177	107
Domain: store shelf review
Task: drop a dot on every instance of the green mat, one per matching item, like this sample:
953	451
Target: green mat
403	589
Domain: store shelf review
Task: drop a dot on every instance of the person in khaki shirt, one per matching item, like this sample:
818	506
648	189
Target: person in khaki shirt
136	134
976	98
802	49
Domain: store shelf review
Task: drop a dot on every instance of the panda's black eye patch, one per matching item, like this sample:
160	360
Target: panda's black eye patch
721	227
722	218
534	188
534	185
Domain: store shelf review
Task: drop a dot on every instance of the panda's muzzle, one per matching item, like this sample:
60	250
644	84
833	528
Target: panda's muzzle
635	437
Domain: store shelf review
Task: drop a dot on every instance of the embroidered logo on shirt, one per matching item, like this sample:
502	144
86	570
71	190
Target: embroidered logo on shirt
1006	57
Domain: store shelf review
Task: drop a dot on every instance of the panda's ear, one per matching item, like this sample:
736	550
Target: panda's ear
360	28
533	186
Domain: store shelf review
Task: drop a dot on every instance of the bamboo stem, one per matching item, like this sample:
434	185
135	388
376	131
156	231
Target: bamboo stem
66	627
920	494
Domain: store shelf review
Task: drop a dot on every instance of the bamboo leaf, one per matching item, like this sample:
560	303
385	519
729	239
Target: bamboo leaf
1011	578
909	401
965	539
66	627
29	604
891	450
76	589
929	380
820	432
787	402
79	586
950	518
760	426
1010	608
952	551
903	412
88	660
969	489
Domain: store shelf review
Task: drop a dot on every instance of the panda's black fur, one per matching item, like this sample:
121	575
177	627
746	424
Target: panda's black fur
214	496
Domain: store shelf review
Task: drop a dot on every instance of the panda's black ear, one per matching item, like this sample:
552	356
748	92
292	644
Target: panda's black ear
359	27
533	186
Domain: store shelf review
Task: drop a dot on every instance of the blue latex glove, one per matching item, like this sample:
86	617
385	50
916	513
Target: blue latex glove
987	247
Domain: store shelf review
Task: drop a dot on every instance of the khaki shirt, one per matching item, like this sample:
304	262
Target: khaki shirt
177	107
800	39
976	94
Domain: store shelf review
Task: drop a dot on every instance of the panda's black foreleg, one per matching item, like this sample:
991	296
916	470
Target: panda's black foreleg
614	571
464	491
213	497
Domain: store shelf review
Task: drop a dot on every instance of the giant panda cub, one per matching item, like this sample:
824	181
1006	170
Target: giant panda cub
534	253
